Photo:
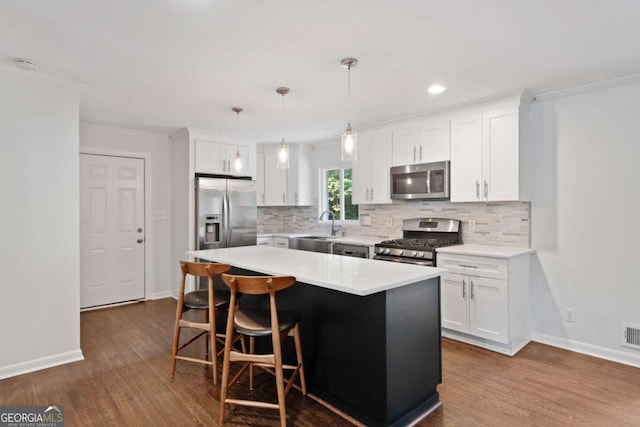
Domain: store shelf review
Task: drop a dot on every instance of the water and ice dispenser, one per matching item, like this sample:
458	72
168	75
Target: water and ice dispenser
212	224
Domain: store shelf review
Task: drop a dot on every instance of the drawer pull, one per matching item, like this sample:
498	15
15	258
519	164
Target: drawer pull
467	266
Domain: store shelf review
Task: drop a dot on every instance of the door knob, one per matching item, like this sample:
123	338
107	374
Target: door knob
139	230
140	240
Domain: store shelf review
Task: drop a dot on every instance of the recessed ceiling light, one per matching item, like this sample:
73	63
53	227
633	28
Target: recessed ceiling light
435	89
25	64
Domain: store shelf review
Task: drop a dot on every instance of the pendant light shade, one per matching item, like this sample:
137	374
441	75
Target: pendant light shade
237	162
349	137
283	148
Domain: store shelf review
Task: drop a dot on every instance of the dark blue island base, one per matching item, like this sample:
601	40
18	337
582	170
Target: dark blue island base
376	357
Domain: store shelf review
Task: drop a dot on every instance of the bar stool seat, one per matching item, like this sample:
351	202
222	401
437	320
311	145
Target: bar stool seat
257	323
199	300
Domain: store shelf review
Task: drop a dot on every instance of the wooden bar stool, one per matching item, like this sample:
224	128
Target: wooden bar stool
212	302
258	323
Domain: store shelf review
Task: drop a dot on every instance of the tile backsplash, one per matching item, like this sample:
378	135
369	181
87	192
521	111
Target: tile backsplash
501	224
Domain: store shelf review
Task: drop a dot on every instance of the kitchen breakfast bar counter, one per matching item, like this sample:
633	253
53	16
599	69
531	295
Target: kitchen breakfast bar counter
370	332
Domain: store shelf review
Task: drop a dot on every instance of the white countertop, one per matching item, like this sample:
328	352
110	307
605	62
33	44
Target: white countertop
482	250
356	276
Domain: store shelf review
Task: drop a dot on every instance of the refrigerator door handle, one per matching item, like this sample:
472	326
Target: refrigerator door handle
225	221
228	220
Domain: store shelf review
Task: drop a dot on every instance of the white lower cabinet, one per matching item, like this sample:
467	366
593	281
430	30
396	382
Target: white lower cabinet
281	242
265	241
475	305
485	301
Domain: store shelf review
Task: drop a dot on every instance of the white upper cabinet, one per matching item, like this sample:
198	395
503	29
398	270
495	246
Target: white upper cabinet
217	158
434	140
260	196
285	187
421	142
371	170
490	154
405	146
275	180
299	176
466	157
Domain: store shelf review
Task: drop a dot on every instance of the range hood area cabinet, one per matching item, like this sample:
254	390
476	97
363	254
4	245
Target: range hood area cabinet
490	153
284	187
217	157
422	142
371	170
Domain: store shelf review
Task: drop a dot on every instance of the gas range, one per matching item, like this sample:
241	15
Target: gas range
421	238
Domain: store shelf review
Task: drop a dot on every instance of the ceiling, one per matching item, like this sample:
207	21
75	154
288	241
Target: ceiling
164	65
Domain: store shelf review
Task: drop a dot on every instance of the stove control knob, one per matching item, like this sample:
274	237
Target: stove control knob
421	254
414	253
386	251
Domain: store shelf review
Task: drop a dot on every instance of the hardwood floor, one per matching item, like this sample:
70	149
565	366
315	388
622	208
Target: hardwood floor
124	380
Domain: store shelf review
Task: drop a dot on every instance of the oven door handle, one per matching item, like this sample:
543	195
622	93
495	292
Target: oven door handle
425	262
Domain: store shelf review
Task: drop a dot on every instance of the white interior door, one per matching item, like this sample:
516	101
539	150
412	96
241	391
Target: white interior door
112	229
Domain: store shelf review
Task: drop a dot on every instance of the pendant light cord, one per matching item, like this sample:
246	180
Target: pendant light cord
238	130
349	94
283	131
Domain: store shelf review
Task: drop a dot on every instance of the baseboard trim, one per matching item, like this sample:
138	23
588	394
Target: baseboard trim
588	349
160	295
41	363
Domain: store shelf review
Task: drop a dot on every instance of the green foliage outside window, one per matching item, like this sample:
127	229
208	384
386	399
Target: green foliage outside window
336	198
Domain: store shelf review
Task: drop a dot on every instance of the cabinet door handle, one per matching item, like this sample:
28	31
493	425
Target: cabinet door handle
464	292
284	198
296	197
367	198
224	166
467	266
477	189
228	165
263	198
371	193
471	288
414	154
420	152
486	189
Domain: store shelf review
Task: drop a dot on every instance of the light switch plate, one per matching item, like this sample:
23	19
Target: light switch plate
365	219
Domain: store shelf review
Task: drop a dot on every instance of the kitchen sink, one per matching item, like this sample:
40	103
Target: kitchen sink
311	244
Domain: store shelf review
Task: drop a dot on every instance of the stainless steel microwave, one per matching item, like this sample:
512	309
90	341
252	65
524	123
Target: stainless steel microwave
422	181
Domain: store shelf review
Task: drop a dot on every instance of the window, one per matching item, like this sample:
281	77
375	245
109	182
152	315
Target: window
337	193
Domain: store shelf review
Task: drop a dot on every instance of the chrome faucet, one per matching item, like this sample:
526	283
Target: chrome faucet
331	217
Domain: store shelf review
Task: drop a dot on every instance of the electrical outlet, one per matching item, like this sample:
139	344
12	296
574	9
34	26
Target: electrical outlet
472	224
389	221
569	316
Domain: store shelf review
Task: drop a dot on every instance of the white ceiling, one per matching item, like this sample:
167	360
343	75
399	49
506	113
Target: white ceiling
163	65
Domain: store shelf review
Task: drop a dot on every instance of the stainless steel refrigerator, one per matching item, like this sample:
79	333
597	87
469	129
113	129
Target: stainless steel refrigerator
226	213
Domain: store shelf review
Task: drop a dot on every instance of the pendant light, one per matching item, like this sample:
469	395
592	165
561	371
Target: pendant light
237	162
349	137
283	148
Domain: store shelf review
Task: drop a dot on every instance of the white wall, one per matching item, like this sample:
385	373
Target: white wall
585	212
40	219
157	149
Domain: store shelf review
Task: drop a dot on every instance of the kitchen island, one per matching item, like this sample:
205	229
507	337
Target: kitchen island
370	333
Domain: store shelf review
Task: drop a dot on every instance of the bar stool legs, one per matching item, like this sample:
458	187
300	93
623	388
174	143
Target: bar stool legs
256	323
